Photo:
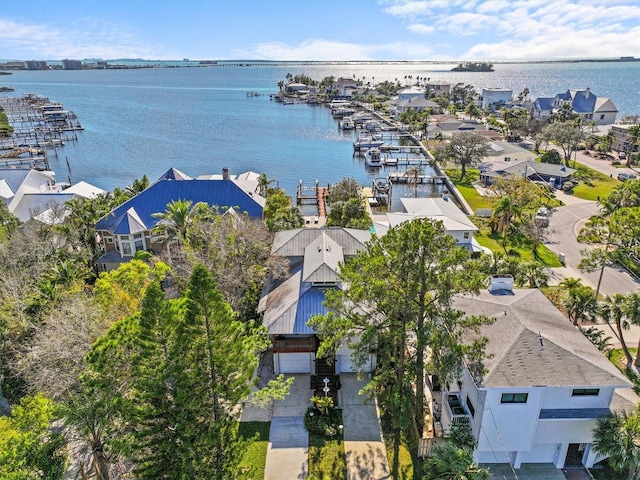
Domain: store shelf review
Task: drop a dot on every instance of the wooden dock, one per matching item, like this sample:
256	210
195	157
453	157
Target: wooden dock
316	194
421	178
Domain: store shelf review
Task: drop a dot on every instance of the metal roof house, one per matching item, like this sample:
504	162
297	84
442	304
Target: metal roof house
127	229
584	103
32	194
542	386
314	256
548	173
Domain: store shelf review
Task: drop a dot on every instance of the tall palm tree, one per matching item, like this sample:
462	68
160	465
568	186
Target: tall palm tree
618	436
505	210
450	462
263	184
614	310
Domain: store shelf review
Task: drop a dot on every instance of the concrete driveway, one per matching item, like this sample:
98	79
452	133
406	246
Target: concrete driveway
287	453
363	444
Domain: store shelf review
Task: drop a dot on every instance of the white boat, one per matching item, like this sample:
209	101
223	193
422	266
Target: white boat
367	141
373	126
372	158
347	123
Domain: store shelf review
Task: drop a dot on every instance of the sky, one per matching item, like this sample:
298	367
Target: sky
320	30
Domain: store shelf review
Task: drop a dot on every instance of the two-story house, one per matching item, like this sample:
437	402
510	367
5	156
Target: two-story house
542	387
314	256
128	228
582	102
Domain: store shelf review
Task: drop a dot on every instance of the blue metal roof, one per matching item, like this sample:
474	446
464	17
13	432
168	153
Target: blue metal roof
223	193
310	303
14	177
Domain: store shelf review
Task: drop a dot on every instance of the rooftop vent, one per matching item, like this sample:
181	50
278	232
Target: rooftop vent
501	284
225	173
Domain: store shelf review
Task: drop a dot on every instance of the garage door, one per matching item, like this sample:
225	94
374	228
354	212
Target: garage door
294	362
346	366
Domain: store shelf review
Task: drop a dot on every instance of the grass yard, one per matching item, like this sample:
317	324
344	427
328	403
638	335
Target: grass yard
327	459
253	460
516	246
593	184
618	359
465	186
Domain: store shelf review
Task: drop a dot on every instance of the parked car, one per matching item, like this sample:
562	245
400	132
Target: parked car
623	176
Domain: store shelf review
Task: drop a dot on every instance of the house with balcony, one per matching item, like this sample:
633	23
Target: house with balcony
129	227
494	98
622	139
314	256
584	103
549	174
541	388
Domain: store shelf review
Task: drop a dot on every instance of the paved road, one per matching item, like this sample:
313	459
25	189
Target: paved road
564	225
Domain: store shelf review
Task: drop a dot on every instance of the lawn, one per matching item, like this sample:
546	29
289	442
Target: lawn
253	460
593	184
618	359
327	459
465	186
516	245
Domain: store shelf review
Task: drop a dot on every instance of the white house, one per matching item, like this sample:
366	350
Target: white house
494	98
455	222
418	104
584	103
411	92
538	394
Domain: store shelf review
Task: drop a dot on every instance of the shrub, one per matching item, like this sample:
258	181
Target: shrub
328	425
552	156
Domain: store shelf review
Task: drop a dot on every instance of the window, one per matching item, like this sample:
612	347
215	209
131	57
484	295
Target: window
109	239
137	235
585	392
602	117
466	235
124	237
472	409
126	248
514	398
139	245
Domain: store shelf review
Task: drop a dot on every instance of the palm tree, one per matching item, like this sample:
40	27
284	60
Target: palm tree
263	184
618	436
581	305
137	186
614	310
450	462
413	178
175	222
535	273
505	210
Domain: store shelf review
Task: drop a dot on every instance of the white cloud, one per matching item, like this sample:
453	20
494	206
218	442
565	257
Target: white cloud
81	39
319	49
421	29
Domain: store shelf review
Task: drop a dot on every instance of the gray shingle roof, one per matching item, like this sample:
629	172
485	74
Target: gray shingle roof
291	243
532	344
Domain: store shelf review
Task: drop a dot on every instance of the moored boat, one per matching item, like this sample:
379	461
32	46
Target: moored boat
347	123
372	158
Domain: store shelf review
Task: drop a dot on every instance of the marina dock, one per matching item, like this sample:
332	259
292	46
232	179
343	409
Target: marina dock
314	194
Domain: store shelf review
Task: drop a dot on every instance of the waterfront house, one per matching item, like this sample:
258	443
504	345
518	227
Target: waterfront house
296	89
583	103
344	87
314	256
418	104
494	98
34	194
437	87
547	173
408	93
541	388
127	229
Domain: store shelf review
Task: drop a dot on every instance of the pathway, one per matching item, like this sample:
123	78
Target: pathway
364	447
287	453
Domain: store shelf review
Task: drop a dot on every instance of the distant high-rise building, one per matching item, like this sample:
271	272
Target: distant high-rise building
71	64
35	65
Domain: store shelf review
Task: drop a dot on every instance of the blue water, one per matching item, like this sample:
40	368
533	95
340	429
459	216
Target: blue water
199	120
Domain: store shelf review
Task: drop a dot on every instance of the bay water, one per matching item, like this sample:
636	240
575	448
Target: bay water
199	120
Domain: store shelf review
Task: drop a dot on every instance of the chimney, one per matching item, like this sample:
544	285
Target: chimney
586	92
501	284
445	195
225	173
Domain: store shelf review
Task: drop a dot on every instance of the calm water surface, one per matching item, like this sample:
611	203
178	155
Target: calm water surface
199	120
